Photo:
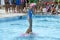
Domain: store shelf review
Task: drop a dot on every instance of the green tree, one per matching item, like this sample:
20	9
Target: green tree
33	1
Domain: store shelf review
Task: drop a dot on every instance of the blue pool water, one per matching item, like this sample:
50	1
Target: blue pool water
44	27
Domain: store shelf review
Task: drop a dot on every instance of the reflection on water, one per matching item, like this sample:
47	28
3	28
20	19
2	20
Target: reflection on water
29	37
35	37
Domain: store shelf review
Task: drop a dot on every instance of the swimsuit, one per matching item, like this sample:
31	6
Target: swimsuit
30	13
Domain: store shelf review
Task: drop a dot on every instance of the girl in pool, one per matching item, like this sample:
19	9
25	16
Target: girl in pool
30	12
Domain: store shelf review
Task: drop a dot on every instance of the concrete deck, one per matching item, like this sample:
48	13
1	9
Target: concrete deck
11	15
3	14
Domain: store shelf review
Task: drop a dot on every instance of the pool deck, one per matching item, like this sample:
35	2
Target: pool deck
4	15
11	15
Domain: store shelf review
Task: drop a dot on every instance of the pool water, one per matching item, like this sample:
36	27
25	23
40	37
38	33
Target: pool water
44	27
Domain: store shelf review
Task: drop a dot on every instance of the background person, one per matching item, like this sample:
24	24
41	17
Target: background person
18	5
13	6
7	5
